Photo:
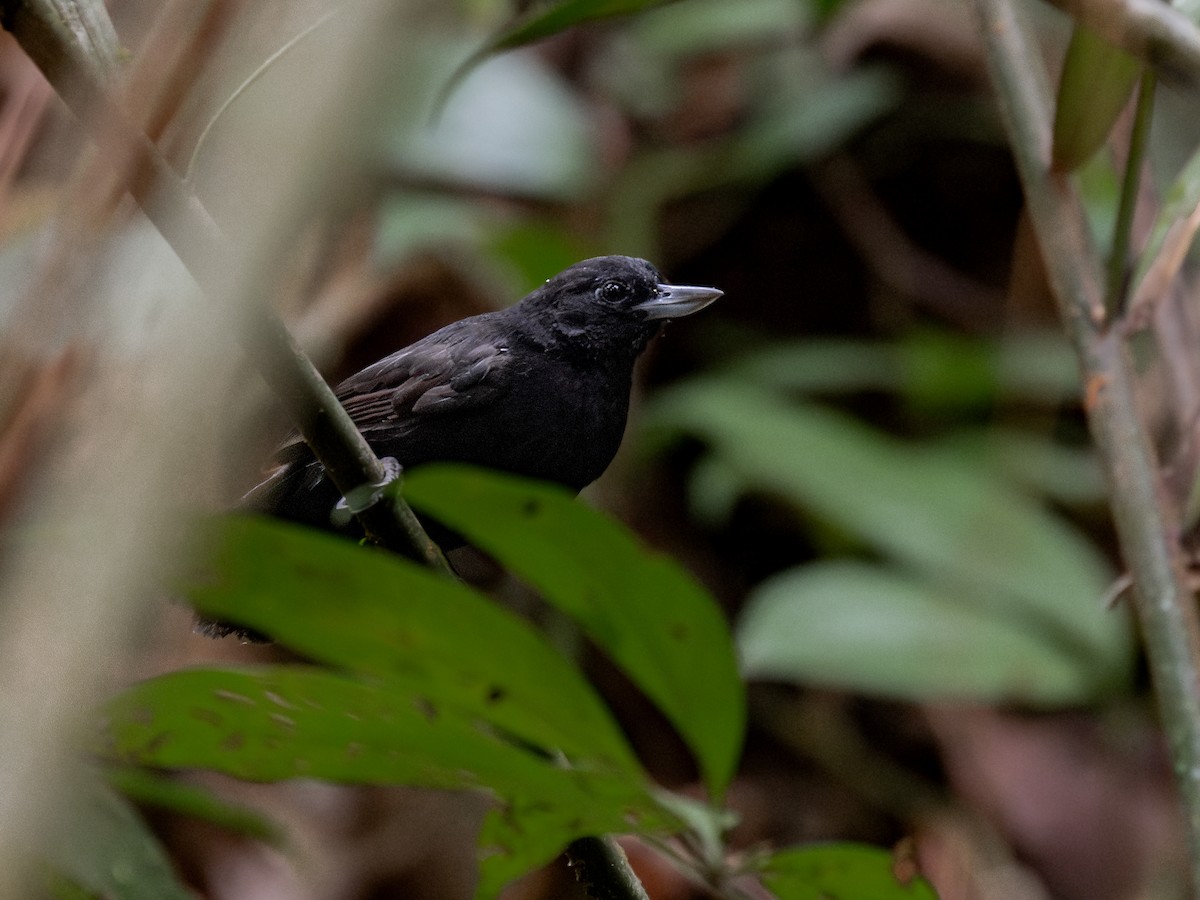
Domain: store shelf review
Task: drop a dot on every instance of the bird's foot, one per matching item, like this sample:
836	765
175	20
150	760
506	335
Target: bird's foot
367	495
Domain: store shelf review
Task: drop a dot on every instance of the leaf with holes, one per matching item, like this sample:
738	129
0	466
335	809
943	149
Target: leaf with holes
285	722
641	608
372	612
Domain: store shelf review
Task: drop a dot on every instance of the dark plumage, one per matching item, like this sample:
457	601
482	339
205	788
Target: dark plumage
538	389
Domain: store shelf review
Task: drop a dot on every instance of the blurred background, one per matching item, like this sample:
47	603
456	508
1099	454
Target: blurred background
872	449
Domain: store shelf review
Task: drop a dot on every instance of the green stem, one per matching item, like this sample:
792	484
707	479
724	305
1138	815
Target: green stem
1116	292
1147	527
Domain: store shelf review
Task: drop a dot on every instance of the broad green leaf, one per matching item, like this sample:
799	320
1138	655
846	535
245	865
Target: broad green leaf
841	872
943	518
425	635
107	851
1097	80
644	610
285	722
154	789
867	628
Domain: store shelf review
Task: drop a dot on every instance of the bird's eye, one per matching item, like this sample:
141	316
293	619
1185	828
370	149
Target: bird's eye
611	291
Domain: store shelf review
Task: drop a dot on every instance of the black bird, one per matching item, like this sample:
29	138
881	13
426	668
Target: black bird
538	389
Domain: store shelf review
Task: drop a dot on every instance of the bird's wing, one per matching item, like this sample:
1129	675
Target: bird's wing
442	374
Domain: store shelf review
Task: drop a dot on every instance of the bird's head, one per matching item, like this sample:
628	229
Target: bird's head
613	302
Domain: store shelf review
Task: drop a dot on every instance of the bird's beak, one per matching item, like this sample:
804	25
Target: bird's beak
675	300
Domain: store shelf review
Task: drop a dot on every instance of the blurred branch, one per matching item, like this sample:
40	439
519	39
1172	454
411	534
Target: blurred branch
179	215
1155	32
1146	525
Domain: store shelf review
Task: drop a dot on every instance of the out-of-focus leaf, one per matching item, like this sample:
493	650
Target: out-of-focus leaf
1100	190
1096	82
1068	475
799	129
285	722
416	632
154	789
945	519
644	610
550	18
536	250
1171	237
714	489
107	851
931	370
867	628
510	126
841	872
802	124
699	26
410	223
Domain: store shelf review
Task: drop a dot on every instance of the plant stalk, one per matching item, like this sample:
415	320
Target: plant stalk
1116	291
1146	525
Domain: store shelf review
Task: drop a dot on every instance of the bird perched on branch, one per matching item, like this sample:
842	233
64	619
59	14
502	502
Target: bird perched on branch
539	389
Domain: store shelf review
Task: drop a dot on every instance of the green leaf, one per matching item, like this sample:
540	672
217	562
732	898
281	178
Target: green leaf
928	368
1062	473
378	614
644	610
938	515
840	872
867	628
162	792
1097	79
107	850
297	722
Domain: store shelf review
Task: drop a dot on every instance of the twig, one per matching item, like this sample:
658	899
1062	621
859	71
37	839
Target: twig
1156	32
603	869
195	237
1146	525
1115	291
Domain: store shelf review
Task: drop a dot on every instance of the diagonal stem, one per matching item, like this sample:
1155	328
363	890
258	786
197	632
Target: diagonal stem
1146	525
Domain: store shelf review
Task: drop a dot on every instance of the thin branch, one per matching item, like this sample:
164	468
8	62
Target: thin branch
196	238
602	867
1116	291
1146	525
1155	32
